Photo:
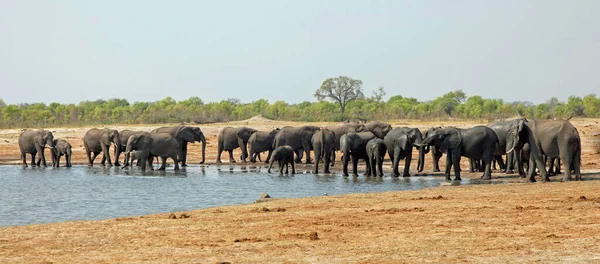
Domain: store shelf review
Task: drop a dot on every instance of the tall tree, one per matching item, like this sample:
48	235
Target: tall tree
341	89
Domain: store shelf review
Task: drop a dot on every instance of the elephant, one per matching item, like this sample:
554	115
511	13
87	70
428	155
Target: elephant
123	137
231	138
555	139
344	128
379	129
478	142
436	155
34	142
355	145
185	135
399	142
61	147
152	145
376	150
506	144
284	155
323	143
99	140
297	138
261	141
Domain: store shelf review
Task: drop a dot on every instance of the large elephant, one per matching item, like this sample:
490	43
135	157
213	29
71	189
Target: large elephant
61	147
555	139
99	140
185	135
123	137
34	142
376	150
297	138
284	155
507	143
323	143
354	145
152	145
436	155
231	138
261	141
399	143
379	129
342	129
478	142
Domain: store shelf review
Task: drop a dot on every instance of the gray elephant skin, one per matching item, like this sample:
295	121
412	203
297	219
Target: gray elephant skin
61	148
152	145
379	129
376	150
436	155
354	145
99	140
34	142
260	142
123	137
344	128
297	138
399	143
231	138
556	139
284	155
185	135
478	142
323	143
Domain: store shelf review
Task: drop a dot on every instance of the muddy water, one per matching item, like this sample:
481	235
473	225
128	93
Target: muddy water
43	195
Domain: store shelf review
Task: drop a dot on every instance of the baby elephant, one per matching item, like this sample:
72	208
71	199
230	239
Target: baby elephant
376	151
284	155
61	147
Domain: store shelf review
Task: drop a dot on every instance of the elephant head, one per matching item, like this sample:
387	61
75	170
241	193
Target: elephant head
243	136
137	142
45	138
443	139
379	129
192	134
415	136
273	132
517	135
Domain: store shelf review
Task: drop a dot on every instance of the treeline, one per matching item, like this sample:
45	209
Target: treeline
450	105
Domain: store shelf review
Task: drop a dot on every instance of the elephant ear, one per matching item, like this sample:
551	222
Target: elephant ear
187	134
360	128
402	141
245	134
451	139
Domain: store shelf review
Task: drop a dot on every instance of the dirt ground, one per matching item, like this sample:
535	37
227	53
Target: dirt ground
517	222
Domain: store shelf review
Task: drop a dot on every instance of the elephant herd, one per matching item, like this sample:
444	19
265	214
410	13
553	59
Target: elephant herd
525	143
164	142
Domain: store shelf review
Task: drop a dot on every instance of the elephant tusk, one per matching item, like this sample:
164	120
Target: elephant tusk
510	150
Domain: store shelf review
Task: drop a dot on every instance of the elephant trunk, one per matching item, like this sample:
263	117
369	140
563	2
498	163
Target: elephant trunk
421	162
117	142
128	155
54	156
203	140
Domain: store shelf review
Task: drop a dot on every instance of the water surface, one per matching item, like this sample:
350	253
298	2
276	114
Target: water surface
43	195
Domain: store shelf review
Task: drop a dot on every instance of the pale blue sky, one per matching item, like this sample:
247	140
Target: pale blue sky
283	50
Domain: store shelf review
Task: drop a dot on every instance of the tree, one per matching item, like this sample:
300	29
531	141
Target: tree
341	90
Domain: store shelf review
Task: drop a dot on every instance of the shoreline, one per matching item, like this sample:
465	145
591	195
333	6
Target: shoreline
551	222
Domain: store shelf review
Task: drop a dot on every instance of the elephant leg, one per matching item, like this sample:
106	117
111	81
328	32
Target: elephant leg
270	166
557	166
58	161
327	162
24	158
448	165
510	167
345	163
407	161
306	147
231	159
368	167
551	171
269	156
372	165
280	166
299	154
175	163
219	151
32	159
354	165
317	150
184	155
395	161
487	168
436	160
379	159
456	164
498	159
568	162
293	169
